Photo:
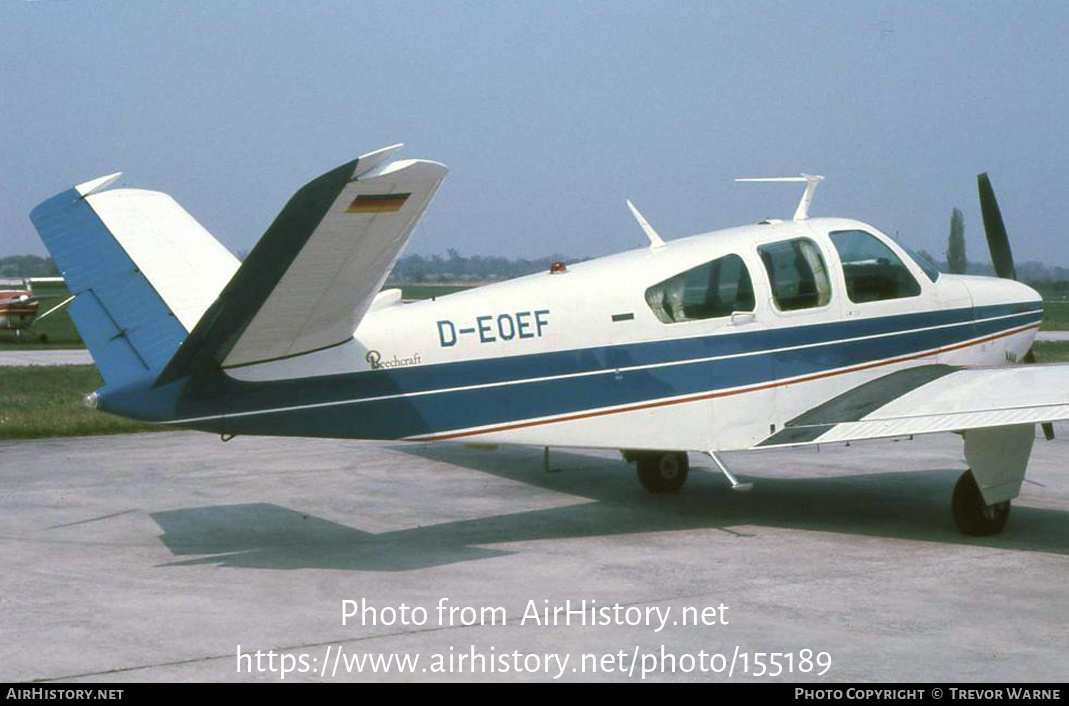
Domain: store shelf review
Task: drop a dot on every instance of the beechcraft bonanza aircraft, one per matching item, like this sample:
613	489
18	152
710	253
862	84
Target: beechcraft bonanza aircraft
782	333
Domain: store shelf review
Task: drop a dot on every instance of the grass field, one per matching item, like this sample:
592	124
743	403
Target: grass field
1051	351
47	401
1055	315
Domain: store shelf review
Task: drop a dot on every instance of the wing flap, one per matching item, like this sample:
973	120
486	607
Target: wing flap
932	399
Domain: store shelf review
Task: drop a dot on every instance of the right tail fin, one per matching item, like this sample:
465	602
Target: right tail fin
142	270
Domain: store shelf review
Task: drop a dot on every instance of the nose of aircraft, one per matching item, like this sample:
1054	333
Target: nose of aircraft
988	291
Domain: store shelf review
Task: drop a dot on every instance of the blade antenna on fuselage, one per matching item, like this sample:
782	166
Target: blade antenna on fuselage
811	180
655	239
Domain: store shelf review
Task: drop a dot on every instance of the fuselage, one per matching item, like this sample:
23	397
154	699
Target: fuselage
712	342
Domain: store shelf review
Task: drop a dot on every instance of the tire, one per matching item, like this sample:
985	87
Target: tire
972	515
663	472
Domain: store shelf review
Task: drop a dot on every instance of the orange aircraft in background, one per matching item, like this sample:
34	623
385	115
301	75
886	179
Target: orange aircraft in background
19	305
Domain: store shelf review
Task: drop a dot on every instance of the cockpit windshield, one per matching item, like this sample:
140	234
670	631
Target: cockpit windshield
922	262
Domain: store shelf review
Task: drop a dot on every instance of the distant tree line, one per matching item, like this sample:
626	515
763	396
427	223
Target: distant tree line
454	267
27	266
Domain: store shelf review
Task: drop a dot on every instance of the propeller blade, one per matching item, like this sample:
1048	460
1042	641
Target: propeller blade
995	230
1001	255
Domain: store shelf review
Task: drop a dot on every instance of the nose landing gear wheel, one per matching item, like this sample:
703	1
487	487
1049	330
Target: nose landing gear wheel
971	514
663	472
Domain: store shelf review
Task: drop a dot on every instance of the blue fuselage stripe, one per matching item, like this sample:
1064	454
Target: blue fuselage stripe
404	402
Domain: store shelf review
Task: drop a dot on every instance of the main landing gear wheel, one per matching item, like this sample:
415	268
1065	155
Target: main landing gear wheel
663	472
971	514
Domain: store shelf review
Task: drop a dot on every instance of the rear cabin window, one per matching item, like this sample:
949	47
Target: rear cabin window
715	289
797	274
872	270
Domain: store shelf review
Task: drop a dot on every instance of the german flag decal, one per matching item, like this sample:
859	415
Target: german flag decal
377	203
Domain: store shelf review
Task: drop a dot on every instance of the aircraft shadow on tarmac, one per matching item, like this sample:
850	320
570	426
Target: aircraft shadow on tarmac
910	505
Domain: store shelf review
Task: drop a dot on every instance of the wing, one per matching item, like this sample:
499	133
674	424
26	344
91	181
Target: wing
934	398
317	269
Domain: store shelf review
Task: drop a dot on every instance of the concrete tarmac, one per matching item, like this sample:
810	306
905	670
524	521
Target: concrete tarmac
45	356
154	556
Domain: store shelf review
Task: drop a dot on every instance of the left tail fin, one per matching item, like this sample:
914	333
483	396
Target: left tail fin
142	270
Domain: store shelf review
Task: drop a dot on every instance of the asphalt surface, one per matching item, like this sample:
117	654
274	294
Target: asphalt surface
154	556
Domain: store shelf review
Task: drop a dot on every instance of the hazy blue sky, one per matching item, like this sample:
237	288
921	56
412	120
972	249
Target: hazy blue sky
550	114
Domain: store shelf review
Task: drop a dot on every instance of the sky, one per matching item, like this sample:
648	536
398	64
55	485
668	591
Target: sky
550	114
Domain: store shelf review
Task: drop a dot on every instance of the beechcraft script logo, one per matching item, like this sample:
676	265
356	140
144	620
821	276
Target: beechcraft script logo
377	203
374	359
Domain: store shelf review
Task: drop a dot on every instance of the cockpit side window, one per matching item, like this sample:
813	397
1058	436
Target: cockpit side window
715	289
797	273
872	270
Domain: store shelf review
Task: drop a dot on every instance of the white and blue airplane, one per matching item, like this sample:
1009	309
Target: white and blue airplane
781	333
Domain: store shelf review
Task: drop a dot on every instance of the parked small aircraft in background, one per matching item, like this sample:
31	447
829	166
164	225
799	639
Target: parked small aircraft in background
19	305
781	333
